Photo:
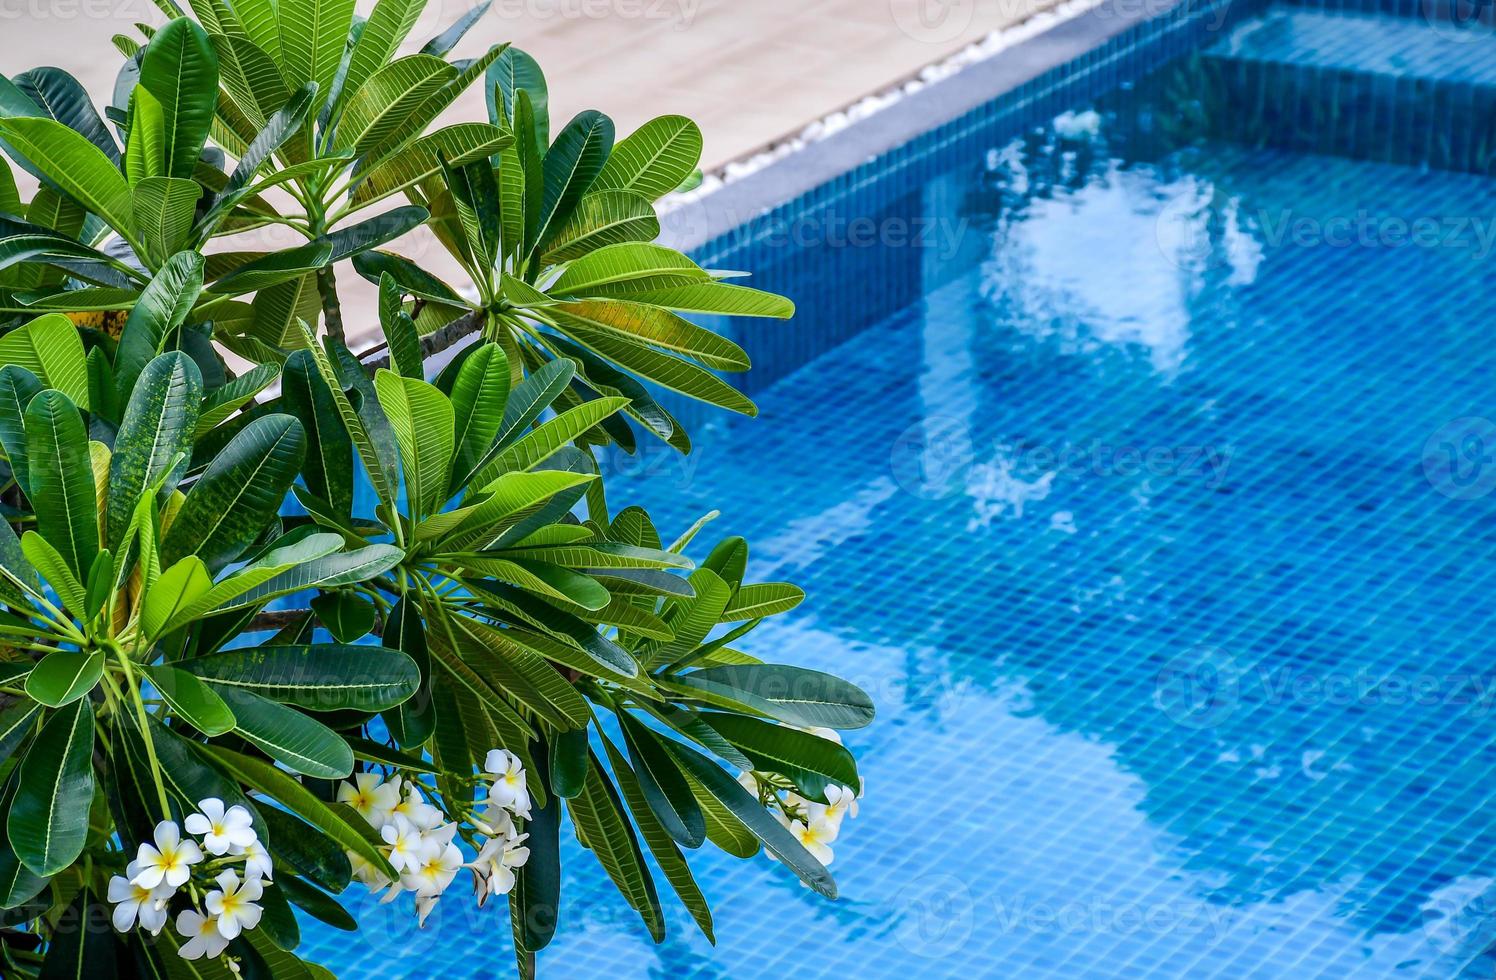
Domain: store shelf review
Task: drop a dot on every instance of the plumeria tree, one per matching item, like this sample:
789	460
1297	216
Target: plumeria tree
277	618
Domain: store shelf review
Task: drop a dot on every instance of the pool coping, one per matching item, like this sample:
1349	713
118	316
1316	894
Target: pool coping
733	205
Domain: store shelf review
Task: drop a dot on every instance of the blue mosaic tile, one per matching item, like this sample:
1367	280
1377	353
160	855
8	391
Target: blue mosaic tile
1151	500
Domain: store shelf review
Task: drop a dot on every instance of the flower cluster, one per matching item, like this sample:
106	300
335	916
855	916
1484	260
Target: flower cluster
421	843
814	824
206	869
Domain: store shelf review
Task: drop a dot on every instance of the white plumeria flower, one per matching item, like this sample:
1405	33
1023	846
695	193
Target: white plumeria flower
408	848
257	863
840	802
438	867
136	903
493	869
171	860
202	935
220	829
495	821
374	799
424	905
508	789
365	871
829	734
814	837
414	808
233	906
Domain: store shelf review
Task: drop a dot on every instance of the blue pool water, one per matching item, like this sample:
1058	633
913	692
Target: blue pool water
1154	507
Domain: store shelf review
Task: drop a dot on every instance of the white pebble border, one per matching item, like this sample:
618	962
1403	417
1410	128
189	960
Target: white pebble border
979	51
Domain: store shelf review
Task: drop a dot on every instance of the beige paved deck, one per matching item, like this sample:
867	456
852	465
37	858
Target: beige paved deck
749	71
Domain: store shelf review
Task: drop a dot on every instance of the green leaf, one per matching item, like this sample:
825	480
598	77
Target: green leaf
515	71
762	600
663	786
692	619
745	808
326	677
328	572
296	798
239	494
178	587
535	902
60	470
79	948
571	165
569	761
273	268
626	268
392	94
76	166
288	736
318	904
49	348
647	325
479	393
719	298
794	695
444	42
64	676
162	213
145	154
666	854
460	144
54	568
388	25
424	426
163	307
48	821
347	616
180	69
313	34
809	761
373	455
192	700
328	470
601	829
16	722
549	439
601	218
309	852
155	435
376	231
655	160
62	97
411	278
250	75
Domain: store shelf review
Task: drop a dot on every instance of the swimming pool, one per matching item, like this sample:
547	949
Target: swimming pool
1133	446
